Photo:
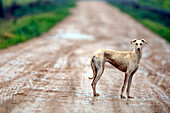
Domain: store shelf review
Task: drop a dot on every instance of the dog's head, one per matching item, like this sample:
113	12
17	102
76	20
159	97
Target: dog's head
138	44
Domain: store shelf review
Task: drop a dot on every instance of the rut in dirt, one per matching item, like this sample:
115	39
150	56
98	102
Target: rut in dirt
50	73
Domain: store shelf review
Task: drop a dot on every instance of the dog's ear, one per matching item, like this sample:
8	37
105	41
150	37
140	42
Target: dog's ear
144	41
134	40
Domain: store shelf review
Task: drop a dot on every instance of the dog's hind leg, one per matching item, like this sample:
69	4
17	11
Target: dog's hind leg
93	68
100	69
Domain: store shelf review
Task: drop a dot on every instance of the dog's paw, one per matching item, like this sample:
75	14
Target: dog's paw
90	77
130	97
123	97
96	95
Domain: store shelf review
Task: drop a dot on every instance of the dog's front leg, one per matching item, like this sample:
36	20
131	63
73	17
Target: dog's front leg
129	83
124	84
128	87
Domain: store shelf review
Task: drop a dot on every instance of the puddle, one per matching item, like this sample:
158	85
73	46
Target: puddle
84	95
163	62
102	96
146	54
72	34
61	63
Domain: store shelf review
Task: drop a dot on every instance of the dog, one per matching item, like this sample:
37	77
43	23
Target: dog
127	62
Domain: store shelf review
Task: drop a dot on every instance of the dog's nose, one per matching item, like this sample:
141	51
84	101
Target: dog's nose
138	49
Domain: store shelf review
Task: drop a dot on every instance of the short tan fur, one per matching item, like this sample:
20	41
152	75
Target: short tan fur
127	62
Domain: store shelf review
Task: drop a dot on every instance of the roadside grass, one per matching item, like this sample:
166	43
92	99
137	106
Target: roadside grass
157	28
20	2
30	26
163	4
148	19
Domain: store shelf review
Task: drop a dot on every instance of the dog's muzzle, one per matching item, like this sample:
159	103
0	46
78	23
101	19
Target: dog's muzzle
138	49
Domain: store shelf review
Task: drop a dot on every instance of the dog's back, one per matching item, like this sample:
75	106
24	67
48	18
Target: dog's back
115	58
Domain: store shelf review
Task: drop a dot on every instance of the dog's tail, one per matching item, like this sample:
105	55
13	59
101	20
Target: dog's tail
93	68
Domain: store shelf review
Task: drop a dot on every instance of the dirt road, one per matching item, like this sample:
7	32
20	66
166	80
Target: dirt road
50	73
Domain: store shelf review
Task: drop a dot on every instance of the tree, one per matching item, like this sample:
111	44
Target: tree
2	12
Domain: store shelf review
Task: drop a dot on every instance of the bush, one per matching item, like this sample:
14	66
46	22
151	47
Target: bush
151	20
30	26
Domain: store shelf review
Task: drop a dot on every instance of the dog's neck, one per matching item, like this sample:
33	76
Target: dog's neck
137	55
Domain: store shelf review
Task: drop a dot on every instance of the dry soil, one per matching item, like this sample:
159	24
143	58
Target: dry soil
50	73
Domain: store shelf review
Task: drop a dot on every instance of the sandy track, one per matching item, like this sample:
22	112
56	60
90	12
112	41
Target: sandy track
50	73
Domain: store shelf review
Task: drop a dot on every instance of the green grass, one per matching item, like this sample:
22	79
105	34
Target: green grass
30	26
163	4
148	19
7	3
157	28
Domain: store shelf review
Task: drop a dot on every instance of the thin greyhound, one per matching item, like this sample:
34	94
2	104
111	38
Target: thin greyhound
127	62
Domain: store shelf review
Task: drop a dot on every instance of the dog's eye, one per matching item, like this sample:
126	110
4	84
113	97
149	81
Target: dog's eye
140	43
136	43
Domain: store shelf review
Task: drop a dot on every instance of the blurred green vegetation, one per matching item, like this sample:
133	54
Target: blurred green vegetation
153	21
157	28
163	4
32	25
19	2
